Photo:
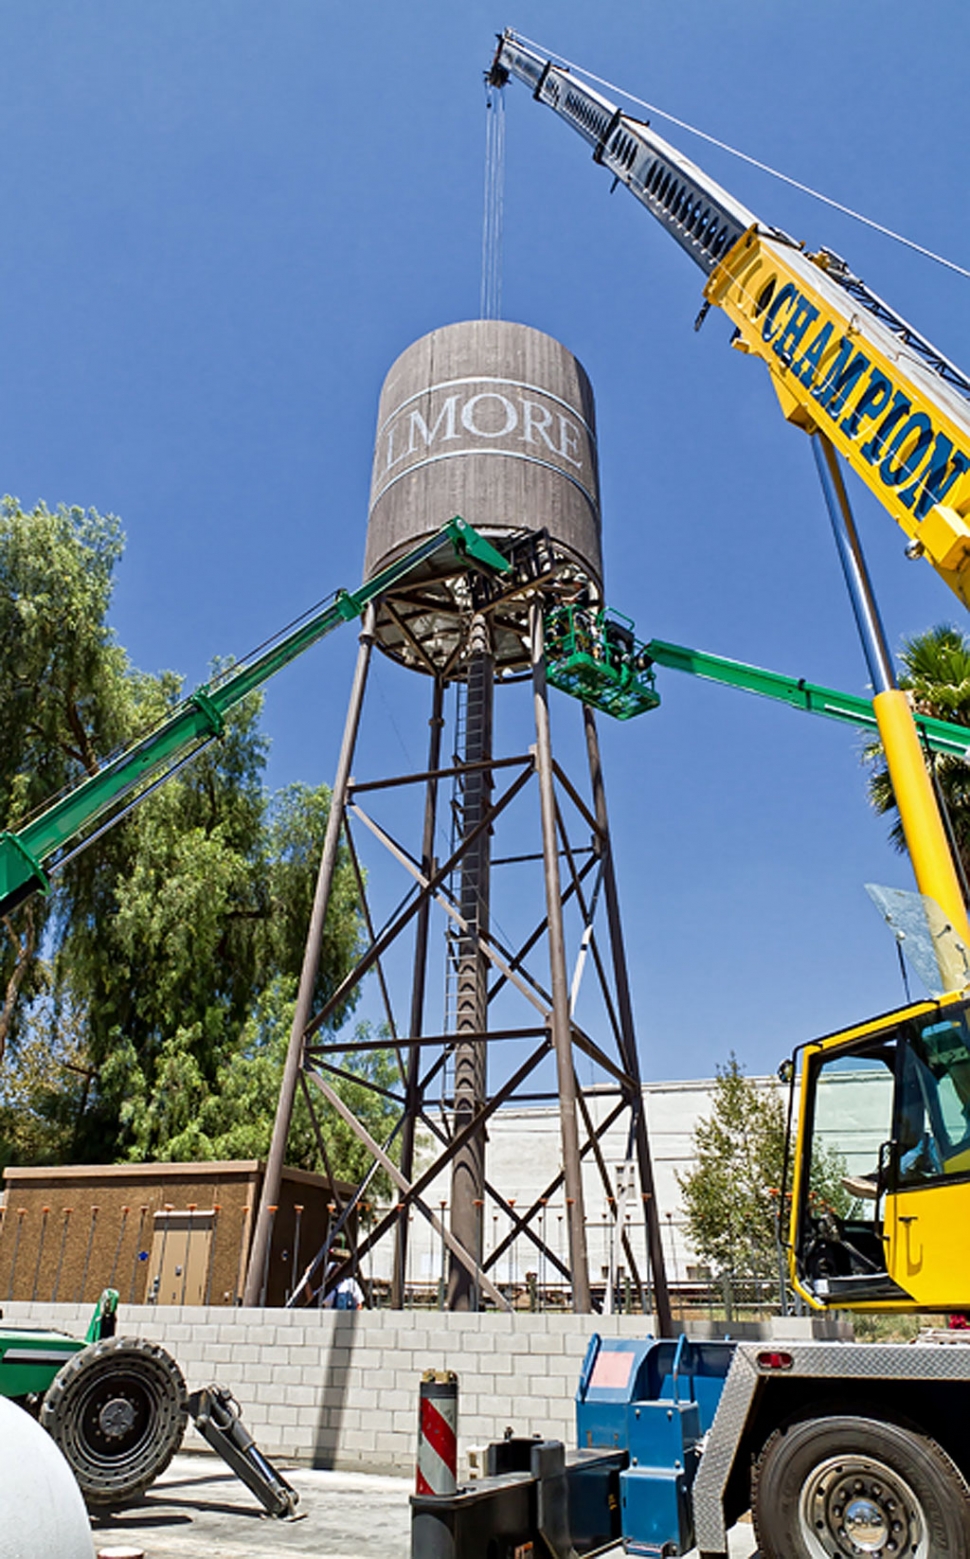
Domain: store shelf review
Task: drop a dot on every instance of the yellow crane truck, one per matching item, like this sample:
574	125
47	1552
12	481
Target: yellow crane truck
841	1449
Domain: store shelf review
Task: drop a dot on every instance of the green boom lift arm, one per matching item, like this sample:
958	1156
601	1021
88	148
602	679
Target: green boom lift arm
594	656
615	675
940	736
31	853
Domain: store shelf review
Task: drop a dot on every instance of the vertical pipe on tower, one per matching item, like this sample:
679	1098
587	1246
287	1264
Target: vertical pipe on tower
468	1167
560	1017
272	1179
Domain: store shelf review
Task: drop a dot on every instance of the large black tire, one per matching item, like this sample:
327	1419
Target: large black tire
835	1488
118	1412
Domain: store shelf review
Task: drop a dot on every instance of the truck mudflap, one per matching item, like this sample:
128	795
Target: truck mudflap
535	1501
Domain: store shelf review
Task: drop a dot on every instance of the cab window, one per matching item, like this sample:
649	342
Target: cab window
852	1116
932	1128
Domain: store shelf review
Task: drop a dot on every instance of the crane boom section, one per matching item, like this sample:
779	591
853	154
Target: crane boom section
838	369
28	853
841	360
703	218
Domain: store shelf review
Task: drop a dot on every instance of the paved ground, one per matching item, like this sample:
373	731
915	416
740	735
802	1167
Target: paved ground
198	1510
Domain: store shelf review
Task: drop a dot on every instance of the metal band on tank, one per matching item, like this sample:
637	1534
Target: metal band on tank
507	454
515	384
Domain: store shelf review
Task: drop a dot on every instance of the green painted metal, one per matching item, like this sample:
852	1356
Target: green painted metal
18	865
594	656
26	855
103	1316
941	736
30	1358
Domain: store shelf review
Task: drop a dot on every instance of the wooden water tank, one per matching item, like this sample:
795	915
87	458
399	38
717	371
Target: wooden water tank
494	422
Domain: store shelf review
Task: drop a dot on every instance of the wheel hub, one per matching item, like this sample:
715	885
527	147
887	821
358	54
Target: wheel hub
116	1418
855	1505
866	1525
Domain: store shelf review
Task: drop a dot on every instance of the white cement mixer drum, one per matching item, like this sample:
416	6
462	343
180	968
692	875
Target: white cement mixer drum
42	1514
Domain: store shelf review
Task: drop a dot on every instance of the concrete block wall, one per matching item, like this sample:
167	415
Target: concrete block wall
339	1388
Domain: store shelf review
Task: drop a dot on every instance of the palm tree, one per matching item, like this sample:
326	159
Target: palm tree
937	680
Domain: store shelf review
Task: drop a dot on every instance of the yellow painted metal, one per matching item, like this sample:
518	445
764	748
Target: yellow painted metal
925	1252
838	370
926	840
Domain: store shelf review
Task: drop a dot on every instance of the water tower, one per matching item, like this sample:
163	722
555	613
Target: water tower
494	422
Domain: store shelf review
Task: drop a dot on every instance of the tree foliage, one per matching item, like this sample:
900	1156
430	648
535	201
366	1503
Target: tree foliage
60	690
147	1001
937	678
732	1194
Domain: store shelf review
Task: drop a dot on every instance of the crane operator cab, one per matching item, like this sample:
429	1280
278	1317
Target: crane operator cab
880	1171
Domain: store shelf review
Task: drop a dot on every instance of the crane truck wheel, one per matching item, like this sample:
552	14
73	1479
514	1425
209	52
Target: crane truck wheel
118	1412
835	1488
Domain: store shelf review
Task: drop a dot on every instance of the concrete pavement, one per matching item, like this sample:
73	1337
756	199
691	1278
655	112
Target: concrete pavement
198	1510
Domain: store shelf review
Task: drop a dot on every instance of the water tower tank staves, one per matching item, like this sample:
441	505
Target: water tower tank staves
494	422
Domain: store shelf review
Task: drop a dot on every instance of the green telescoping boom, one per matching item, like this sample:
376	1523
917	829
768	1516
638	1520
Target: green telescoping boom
594	656
29	854
585	667
938	736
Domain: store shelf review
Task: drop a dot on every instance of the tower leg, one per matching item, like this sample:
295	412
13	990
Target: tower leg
631	1058
560	1019
419	978
468	1168
269	1197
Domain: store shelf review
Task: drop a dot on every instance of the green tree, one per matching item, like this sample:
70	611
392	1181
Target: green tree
170	944
936	676
43	1089
174	940
62	703
732	1194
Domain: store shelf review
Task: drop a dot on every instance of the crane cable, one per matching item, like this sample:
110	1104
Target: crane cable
785	178
493	216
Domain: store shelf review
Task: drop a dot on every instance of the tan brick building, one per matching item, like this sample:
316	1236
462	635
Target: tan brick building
159	1233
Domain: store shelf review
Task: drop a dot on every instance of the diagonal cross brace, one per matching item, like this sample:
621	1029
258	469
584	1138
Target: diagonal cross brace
434	883
390	1168
413	1192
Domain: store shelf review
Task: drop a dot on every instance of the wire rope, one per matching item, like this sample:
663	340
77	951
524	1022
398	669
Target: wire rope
494	212
754	162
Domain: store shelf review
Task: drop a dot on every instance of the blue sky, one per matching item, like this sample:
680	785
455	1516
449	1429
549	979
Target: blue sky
225	219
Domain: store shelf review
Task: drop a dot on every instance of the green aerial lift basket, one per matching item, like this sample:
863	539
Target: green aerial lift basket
594	656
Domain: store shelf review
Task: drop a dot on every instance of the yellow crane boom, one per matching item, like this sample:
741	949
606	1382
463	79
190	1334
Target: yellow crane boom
842	361
838	370
848	371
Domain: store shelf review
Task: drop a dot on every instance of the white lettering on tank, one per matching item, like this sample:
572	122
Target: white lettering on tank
536	419
392	458
569	440
468	415
417	424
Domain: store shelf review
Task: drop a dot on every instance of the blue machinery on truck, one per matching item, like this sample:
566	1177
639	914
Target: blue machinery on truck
679	1438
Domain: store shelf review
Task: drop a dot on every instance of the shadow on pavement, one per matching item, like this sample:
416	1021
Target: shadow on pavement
140	1517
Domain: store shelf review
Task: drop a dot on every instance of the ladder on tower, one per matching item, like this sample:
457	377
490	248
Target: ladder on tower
452	935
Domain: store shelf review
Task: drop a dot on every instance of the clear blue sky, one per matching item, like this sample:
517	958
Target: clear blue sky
225	219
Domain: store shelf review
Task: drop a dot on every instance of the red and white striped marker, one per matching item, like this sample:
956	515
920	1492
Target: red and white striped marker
438	1433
